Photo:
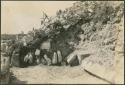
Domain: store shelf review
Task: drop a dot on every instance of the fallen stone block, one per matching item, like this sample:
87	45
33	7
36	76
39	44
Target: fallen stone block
73	60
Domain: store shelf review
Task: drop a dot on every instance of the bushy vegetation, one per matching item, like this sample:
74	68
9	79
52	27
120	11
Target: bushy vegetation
86	17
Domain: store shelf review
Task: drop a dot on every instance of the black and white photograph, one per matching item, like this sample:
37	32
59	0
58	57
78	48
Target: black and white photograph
62	42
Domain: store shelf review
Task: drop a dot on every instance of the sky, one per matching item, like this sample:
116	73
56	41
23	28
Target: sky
17	16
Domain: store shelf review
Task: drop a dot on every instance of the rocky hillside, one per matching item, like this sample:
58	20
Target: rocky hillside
87	25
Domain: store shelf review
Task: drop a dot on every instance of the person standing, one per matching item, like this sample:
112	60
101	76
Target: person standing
59	57
54	59
37	54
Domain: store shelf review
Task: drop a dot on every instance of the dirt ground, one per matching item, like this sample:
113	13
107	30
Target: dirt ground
53	75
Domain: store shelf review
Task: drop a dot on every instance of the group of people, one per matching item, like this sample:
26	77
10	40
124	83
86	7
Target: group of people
22	56
47	58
